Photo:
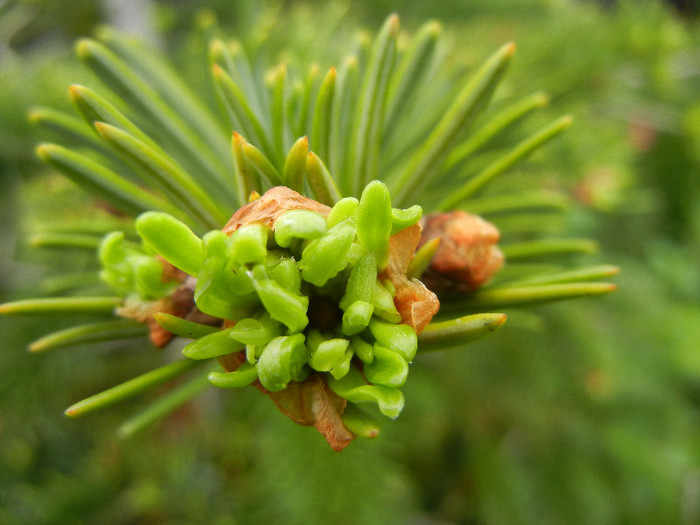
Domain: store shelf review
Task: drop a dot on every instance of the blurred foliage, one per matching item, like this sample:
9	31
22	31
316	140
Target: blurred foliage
578	413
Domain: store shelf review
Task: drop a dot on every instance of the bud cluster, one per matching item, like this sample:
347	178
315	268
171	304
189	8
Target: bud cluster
299	291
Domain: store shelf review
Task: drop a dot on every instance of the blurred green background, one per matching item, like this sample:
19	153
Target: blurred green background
580	412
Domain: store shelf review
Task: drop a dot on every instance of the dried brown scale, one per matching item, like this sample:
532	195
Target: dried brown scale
270	206
309	402
416	303
468	255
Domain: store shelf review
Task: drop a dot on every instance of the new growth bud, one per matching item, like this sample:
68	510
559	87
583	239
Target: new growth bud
309	299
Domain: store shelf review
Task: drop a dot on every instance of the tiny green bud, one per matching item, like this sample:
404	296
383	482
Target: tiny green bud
402	219
326	354
213	345
241	282
286	273
356	317
361	282
182	327
355	253
111	251
281	361
343	367
388	368
148	277
374	221
172	239
281	304
313	339
116	270
216	244
299	224
325	257
359	422
217	291
398	337
362	349
383	302
343	209
353	387
251	353
243	376
248	244
260	331
131	272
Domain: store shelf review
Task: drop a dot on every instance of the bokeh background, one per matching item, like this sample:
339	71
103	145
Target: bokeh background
580	412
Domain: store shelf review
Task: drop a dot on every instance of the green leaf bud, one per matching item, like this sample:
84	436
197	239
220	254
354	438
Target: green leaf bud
281	361
325	257
355	253
111	252
282	305
359	422
213	345
361	282
374	221
313	339
248	244
117	272
172	239
362	349
243	376
388	368
398	337
148	277
343	367
402	219
216	244
182	327
353	387
218	287
356	317
383	302
326	354
251	353
299	224
241	282
286	273
343	209
260	331
131	272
